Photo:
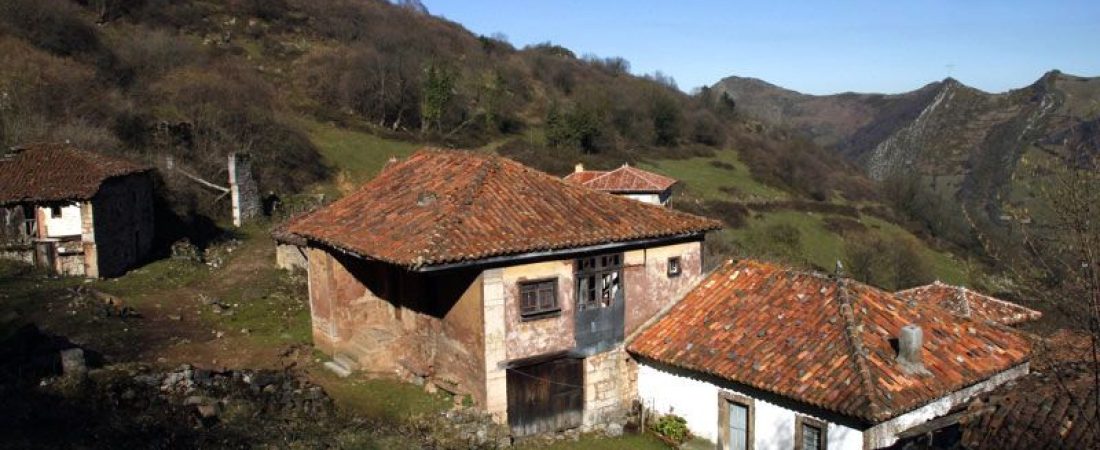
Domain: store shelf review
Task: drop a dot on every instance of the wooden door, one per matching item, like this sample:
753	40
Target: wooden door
546	397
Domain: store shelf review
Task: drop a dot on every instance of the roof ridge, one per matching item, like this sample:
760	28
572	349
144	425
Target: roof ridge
853	331
646	175
602	175
458	210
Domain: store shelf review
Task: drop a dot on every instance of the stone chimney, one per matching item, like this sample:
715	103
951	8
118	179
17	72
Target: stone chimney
910	342
578	168
244	194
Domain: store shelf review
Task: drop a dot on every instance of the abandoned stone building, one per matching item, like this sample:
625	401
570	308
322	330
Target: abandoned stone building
763	357
627	181
495	280
73	211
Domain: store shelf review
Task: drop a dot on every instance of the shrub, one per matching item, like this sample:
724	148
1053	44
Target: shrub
672	427
786	236
733	214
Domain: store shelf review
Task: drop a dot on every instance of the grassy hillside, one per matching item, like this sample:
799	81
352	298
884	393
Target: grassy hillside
719	177
771	222
358	154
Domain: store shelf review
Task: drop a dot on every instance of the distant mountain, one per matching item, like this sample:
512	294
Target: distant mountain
967	142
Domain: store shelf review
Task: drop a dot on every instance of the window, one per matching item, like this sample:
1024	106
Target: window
599	279
55	212
809	434
674	268
735	422
538	298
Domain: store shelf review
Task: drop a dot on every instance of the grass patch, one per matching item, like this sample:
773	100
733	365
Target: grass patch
359	154
141	283
272	307
382	399
721	177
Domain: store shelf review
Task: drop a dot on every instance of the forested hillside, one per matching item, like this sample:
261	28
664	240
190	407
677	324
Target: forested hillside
322	93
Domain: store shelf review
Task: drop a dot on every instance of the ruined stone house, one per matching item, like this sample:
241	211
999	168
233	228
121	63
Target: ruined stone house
495	280
763	357
626	181
73	211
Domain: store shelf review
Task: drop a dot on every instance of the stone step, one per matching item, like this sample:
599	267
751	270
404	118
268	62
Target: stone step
346	360
338	369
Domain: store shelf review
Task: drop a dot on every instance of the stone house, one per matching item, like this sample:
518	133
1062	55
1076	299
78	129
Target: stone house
763	357
626	181
495	280
73	211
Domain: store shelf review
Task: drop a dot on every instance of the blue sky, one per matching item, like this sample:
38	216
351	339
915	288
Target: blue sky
815	47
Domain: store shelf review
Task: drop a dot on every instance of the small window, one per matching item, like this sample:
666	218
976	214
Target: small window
809	434
55	212
674	268
538	298
735	422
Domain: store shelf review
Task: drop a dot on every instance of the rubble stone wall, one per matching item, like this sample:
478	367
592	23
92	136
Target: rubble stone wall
123	220
610	385
290	257
389	319
244	195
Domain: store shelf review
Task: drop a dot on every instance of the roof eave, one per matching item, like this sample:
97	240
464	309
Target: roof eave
507	259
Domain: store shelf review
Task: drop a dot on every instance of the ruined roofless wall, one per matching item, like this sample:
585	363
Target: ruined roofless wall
244	194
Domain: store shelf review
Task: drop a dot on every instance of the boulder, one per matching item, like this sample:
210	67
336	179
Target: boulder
72	363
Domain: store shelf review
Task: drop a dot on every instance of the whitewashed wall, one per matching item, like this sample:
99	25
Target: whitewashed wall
645	198
885	434
66	225
697	402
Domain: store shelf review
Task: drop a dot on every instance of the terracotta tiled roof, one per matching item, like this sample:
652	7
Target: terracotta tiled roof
1044	410
57	172
622	180
442	206
823	341
967	303
584	176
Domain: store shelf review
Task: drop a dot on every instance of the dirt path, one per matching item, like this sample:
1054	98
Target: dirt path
174	299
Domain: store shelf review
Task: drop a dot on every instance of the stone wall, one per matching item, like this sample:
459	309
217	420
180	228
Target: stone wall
290	257
23	254
610	384
120	224
244	195
388	319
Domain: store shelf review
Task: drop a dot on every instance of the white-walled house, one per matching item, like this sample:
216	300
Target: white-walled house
626	181
762	357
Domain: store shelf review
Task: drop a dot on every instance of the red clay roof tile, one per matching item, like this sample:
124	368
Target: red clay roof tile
967	303
57	172
442	206
823	341
622	180
1044	410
